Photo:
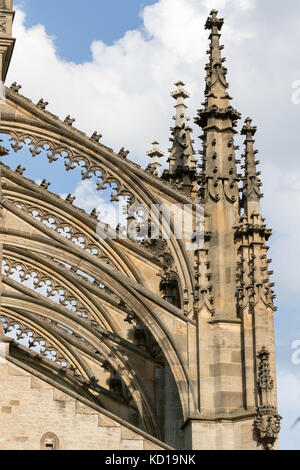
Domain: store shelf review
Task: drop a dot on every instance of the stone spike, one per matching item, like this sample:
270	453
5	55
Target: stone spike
216	73
251	182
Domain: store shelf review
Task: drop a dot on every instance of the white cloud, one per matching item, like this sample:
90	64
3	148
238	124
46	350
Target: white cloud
124	90
221	4
88	198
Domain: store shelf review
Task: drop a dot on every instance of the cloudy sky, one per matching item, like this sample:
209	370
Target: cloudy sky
112	66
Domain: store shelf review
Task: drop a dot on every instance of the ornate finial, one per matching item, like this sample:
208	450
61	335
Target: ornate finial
180	92
155	154
214	22
155	151
70	198
267	425
44	184
20	170
15	87
42	104
124	153
95	213
69	121
248	128
215	72
96	137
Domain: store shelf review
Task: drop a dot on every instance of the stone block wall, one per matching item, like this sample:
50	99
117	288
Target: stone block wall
31	409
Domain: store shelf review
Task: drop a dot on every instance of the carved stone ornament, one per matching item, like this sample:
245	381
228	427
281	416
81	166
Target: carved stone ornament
33	340
88	166
15	87
267	425
69	121
42	104
265	382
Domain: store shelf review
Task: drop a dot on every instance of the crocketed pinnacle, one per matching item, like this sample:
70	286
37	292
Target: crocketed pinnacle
251	182
253	274
182	163
216	83
217	119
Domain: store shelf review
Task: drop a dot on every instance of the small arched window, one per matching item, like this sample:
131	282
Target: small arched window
49	441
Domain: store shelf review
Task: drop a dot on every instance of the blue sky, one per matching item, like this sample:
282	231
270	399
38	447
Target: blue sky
75	24
113	70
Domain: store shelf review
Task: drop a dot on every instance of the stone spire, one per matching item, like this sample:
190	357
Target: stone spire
219	191
6	41
155	154
182	163
251	182
217	119
253	273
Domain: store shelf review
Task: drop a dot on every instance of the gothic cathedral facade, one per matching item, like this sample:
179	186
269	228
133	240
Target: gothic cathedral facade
135	342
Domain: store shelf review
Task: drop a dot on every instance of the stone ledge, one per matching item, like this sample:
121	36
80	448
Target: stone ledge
239	415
